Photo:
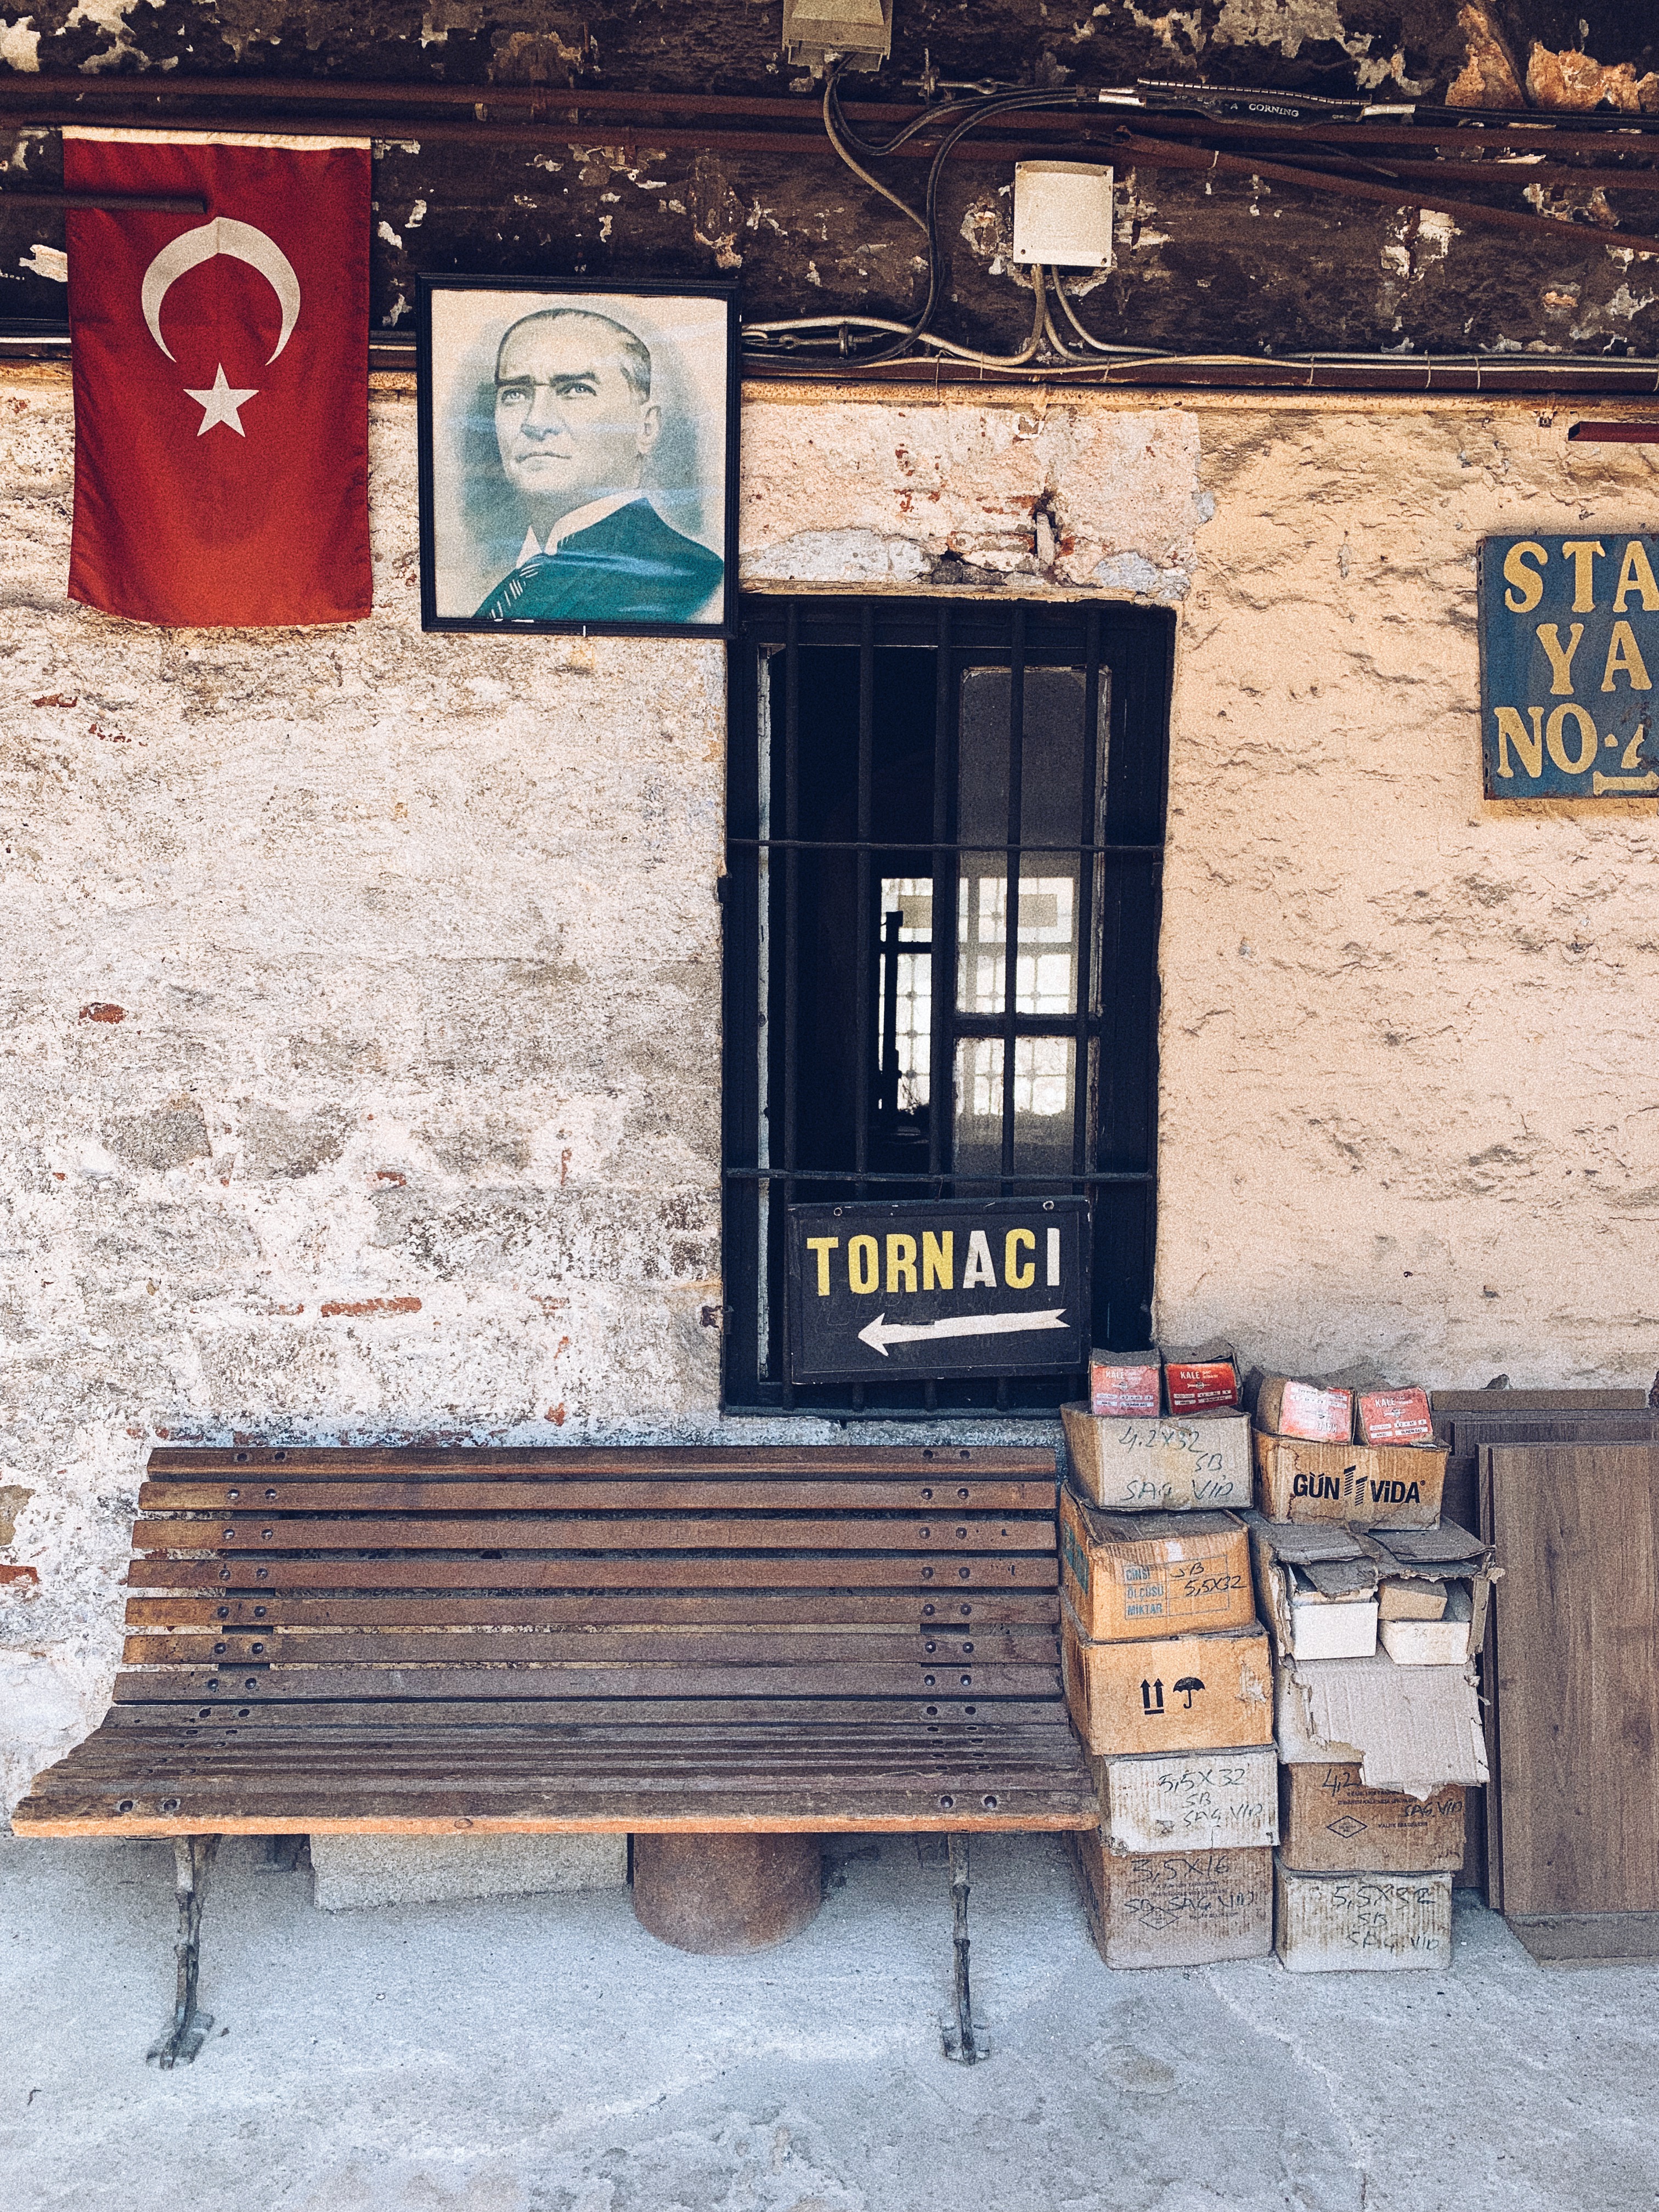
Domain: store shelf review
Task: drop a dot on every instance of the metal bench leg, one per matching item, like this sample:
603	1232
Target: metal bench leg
964	2037
192	1857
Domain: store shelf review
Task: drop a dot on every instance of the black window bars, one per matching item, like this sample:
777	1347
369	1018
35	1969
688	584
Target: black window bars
847	781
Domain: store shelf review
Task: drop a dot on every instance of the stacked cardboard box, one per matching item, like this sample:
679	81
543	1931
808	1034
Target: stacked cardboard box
1375	1610
1166	1666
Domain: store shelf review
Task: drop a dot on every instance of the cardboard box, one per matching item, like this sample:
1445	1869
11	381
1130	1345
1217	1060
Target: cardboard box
1446	1642
1341	1923
1189	1800
1318	1585
1129	1574
1393	1417
1330	1820
1414	1728
1202	1381
1387	1486
1428	1588
1398	1600
1125	1383
1178	1693
1198	1463
1286	1408
1177	1908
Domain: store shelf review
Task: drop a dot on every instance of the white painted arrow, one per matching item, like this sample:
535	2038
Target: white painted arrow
878	1335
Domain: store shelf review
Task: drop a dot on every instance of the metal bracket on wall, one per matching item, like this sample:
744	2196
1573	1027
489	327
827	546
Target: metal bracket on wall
193	1856
965	2037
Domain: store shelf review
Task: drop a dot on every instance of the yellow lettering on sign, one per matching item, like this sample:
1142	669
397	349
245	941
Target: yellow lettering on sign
1582	552
1587	738
1636	574
1019	1277
863	1265
1527	582
979	1268
939	1260
1624	653
1512	731
901	1264
1560	656
823	1246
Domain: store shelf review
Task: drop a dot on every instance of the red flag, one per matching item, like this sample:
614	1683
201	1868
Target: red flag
222	380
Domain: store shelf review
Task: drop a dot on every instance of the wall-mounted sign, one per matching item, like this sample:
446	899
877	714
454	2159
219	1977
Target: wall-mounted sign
938	1287
1569	654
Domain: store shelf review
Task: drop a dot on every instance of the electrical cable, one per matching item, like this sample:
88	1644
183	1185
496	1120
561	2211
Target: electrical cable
963	117
981	113
839	323
1099	345
874	183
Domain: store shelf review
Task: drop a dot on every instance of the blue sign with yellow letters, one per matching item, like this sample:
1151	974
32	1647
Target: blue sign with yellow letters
1569	652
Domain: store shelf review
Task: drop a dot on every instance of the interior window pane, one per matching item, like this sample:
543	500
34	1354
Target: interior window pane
1043	1109
906	993
1055	810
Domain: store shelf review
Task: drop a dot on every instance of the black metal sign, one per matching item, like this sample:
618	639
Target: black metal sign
947	1286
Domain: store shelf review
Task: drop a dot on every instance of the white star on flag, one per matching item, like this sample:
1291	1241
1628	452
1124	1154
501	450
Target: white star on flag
220	403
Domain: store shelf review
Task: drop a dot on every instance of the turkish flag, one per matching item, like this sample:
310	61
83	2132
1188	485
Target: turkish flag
221	379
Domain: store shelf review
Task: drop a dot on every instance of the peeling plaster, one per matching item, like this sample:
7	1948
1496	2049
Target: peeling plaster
20	45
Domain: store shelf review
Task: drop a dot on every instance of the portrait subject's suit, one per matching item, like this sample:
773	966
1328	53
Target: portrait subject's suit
627	565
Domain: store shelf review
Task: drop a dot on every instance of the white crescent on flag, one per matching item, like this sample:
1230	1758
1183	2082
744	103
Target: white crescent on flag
223	235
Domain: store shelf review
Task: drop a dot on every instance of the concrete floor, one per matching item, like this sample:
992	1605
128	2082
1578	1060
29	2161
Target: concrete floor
544	2054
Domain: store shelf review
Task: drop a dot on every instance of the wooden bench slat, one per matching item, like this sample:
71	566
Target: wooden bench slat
572	1679
898	1608
586	1571
440	1493
503	1647
671	1462
325	1775
556	1532
946	1712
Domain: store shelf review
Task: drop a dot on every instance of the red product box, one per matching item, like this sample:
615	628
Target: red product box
1394	1417
1125	1383
1201	1381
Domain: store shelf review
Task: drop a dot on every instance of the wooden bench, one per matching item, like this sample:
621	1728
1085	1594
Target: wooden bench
718	1642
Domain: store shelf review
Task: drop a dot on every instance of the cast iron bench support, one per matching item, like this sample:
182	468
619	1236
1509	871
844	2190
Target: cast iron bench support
193	1860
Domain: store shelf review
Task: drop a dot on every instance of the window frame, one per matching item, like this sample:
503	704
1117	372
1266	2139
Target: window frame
1115	1071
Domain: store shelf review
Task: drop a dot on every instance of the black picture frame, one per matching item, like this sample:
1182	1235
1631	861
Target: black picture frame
470	509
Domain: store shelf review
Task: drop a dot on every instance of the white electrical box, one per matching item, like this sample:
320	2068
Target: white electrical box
860	32
1062	215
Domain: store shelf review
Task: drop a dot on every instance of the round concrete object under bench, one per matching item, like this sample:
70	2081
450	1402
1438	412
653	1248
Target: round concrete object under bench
722	1893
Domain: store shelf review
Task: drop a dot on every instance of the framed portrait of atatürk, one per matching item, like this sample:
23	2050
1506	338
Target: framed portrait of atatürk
578	457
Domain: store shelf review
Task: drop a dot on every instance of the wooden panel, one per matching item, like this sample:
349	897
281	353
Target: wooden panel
552	1532
505	1610
443	1494
587	1571
1577	1632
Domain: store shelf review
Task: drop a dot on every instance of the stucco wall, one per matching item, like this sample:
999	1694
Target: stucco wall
409	1123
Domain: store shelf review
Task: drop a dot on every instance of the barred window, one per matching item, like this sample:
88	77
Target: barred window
945	827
